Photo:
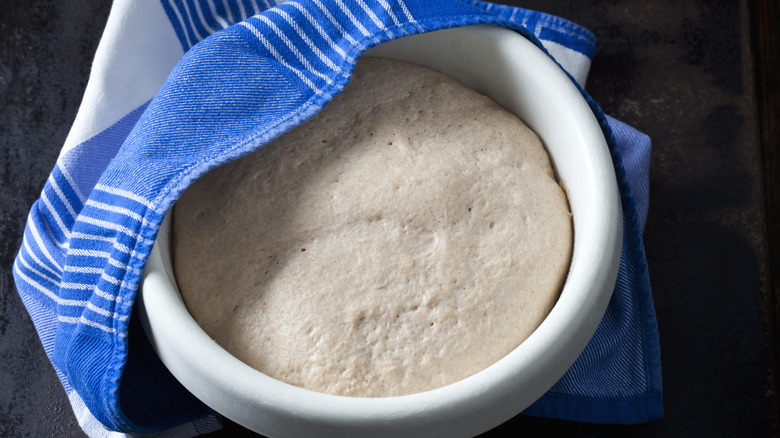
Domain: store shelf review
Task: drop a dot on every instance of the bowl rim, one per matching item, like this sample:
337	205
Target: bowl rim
469	406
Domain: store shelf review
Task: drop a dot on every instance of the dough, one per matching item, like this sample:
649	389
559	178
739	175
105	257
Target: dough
408	236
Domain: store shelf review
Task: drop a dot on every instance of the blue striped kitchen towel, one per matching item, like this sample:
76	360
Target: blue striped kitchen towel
181	86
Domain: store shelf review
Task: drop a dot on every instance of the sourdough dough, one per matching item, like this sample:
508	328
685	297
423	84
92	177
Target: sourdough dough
408	236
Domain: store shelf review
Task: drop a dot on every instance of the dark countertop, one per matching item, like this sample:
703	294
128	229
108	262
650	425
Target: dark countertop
681	71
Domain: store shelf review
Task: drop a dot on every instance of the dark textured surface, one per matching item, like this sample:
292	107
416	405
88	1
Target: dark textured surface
680	71
46	48
765	16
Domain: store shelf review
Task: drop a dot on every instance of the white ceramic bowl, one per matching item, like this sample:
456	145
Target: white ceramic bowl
507	67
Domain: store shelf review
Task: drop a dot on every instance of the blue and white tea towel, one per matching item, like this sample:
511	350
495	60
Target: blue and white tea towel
166	102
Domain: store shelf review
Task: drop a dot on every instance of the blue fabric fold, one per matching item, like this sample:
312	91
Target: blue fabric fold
87	238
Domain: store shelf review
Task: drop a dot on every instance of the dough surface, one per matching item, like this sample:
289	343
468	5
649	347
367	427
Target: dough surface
408	236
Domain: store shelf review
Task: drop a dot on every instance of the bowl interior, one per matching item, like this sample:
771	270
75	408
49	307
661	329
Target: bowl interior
514	72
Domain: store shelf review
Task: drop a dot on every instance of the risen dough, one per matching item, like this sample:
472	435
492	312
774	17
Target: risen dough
408	236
